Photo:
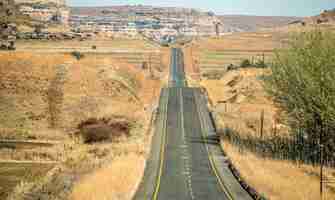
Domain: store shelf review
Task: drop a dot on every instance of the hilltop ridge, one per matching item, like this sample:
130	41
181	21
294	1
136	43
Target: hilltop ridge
56	2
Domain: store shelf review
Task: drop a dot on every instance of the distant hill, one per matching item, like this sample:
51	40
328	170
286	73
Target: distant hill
130	9
327	16
242	23
55	2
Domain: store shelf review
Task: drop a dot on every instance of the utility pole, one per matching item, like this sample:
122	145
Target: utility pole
217	29
150	66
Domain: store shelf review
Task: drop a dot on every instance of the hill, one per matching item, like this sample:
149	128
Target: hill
242	23
327	16
55	2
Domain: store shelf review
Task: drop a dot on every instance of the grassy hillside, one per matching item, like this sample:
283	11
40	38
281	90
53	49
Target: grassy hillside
253	23
56	97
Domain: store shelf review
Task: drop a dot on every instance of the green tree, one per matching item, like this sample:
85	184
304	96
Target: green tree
302	82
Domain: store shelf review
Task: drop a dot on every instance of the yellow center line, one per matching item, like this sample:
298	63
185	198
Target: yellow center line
162	153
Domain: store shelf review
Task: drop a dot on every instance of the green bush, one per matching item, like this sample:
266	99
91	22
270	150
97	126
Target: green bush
77	55
231	67
302	82
245	63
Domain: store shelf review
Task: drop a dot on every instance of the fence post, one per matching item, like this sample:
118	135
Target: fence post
262	124
263	57
321	161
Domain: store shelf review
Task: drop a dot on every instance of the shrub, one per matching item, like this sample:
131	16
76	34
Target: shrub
231	67
302	81
97	130
77	55
245	63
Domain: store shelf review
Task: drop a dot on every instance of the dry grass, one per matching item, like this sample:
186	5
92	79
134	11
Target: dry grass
212	55
111	182
243	41
92	88
238	99
97	86
102	45
79	163
277	180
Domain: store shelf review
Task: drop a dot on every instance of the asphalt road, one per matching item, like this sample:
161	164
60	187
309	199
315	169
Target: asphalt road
186	161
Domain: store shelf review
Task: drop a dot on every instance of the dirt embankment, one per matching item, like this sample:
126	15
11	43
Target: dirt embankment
45	96
238	101
239	98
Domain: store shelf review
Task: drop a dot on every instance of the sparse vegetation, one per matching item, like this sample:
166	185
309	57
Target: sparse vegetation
78	55
64	95
245	63
56	96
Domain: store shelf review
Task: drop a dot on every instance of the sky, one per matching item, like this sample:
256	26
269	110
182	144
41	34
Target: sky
245	7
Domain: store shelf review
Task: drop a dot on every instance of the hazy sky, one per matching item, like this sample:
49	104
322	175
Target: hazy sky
253	7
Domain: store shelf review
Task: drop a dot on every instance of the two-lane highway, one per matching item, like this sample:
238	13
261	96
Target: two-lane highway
184	161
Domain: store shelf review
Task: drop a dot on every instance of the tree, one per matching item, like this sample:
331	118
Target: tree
302	82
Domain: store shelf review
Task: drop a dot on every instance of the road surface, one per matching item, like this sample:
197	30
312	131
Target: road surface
186	161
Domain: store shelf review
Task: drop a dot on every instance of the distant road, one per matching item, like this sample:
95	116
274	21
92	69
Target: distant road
186	161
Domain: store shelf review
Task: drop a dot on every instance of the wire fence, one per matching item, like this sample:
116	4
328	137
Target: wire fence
298	148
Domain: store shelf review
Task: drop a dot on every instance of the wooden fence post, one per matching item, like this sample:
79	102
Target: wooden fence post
262	124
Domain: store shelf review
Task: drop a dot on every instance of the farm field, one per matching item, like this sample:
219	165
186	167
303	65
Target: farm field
216	54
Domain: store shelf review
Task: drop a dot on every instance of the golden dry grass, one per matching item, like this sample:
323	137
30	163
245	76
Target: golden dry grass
242	41
93	86
114	182
277	180
238	99
98	86
71	45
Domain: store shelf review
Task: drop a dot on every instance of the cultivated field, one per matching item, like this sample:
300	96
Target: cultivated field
216	54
